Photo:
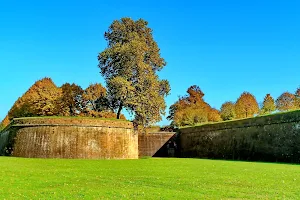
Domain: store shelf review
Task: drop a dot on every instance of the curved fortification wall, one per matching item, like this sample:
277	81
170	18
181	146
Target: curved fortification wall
72	138
266	138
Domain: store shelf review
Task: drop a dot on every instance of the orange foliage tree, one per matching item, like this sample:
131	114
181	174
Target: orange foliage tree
40	100
286	101
214	115
44	98
246	106
192	109
5	121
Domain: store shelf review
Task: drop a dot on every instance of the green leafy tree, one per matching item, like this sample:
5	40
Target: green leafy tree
71	100
228	111
24	109
246	106
268	105
95	98
286	101
129	65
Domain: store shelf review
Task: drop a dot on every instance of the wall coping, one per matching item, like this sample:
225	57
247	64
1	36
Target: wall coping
79	122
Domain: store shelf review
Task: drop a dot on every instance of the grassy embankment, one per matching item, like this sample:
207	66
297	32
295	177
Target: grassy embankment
146	179
277	114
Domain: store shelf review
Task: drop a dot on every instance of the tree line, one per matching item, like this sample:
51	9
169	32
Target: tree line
44	98
129	65
192	109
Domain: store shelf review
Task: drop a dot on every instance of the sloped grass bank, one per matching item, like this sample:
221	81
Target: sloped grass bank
146	179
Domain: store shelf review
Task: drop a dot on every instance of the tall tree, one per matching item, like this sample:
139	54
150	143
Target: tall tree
268	105
286	101
228	111
129	65
246	106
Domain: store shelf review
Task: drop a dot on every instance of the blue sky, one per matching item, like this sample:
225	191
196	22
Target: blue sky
225	47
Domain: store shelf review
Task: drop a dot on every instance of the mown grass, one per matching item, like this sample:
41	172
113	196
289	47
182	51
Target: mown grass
146	179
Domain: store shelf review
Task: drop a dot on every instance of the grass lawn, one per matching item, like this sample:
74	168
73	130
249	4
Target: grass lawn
282	113
146	179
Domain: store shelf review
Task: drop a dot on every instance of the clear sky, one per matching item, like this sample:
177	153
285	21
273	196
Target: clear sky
225	47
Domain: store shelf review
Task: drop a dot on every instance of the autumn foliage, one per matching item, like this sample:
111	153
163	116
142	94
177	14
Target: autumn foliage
192	109
129	65
246	106
40	100
214	115
44	98
286	101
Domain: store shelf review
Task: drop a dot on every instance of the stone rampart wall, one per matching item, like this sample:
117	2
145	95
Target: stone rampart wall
266	138
72	138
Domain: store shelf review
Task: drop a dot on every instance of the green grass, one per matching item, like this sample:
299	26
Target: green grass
146	179
241	119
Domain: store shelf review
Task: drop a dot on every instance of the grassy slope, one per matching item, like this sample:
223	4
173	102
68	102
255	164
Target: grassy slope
241	119
146	179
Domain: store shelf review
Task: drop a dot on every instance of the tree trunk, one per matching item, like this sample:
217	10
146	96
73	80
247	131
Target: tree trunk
71	110
119	110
